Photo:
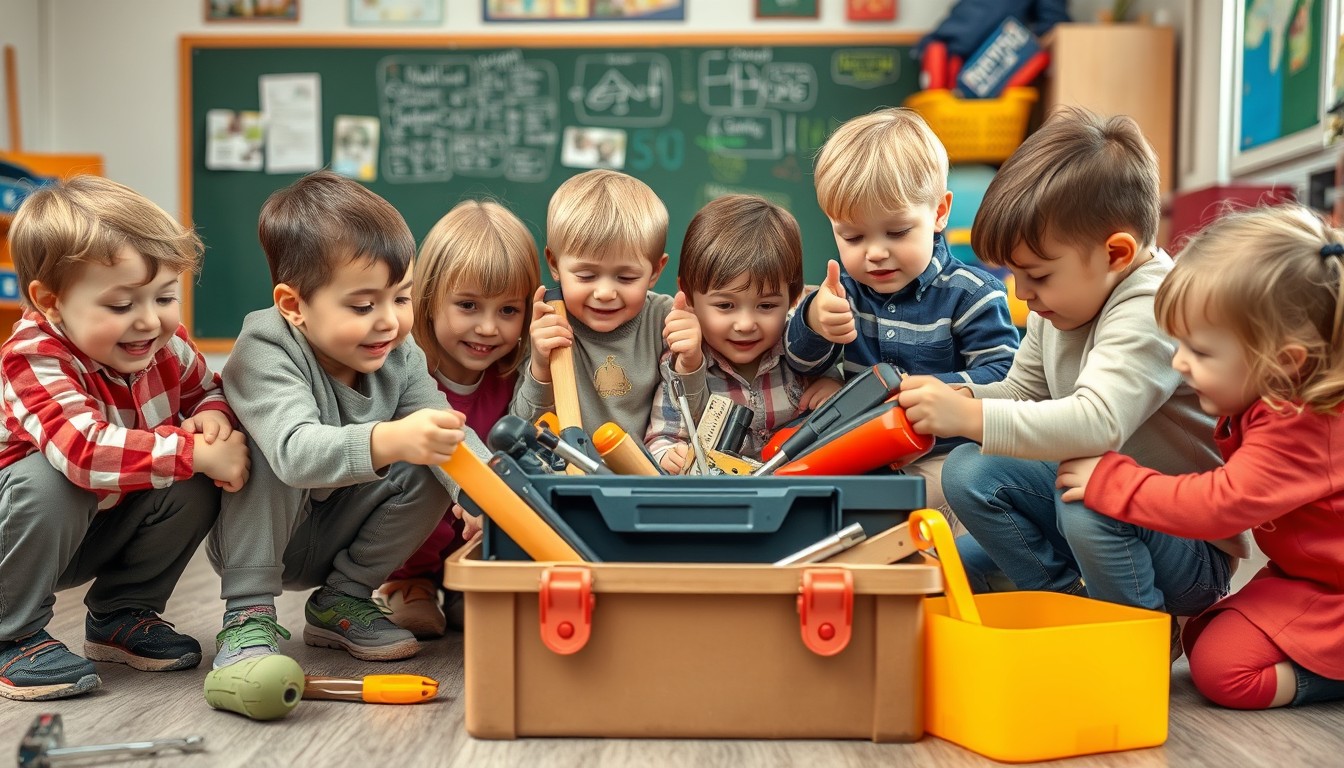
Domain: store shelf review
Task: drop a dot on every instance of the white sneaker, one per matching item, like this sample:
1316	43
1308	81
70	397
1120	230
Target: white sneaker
413	605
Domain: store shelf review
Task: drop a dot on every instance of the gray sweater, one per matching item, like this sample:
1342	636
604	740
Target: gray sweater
617	372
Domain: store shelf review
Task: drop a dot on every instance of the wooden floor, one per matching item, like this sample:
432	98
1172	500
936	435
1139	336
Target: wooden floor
139	705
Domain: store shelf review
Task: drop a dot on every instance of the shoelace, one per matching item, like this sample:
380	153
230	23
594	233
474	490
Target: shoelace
255	629
362	611
146	621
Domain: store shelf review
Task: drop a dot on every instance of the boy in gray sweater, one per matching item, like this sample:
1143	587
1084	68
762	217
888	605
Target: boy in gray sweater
1073	214
345	425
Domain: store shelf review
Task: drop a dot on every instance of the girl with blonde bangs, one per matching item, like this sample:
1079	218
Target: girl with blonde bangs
1256	303
477	269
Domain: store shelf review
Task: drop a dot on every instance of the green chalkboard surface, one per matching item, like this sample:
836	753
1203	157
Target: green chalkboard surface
693	117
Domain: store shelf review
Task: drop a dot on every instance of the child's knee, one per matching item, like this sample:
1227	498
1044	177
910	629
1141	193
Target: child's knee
421	486
961	471
37	495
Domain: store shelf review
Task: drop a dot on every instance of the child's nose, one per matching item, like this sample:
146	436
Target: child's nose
146	319
1022	292
604	291
744	323
486	327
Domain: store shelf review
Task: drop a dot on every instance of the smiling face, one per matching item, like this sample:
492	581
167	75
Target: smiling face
116	314
887	251
354	321
604	292
475	332
741	322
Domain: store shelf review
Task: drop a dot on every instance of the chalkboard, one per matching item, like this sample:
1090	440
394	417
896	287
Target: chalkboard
485	116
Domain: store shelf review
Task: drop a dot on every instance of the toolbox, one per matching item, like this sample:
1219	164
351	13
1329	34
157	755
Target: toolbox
628	518
703	650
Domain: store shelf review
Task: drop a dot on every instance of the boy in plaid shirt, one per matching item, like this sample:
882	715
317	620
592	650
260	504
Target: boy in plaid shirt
741	270
115	441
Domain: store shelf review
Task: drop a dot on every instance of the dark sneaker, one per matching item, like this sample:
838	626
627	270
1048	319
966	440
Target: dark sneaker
247	633
337	620
140	639
39	667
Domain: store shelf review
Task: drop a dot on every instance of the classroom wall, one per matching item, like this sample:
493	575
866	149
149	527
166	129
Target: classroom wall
20	27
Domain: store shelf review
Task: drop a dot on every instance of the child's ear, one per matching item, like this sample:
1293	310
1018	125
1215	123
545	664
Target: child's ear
942	212
1292	357
658	270
550	262
1121	249
287	301
44	301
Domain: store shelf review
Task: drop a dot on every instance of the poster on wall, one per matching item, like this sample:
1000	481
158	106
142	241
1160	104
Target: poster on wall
396	12
584	10
870	10
786	9
1285	50
251	10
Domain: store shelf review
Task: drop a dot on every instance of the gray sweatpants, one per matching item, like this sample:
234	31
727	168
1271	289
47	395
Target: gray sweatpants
52	537
272	537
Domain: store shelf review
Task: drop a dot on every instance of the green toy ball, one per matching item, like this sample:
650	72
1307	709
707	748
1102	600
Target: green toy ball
262	688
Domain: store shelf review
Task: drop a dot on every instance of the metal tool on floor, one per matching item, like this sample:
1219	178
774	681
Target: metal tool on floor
44	745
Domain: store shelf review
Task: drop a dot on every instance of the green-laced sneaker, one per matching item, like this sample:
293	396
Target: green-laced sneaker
248	633
338	620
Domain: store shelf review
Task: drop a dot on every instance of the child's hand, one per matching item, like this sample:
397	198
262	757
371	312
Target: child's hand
210	425
817	393
549	332
934	408
224	460
1074	475
427	437
471	524
681	331
674	461
829	314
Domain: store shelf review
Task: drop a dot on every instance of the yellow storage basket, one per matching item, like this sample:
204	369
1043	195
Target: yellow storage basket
976	130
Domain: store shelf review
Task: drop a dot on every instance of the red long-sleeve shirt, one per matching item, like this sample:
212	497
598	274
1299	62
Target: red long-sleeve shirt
1284	478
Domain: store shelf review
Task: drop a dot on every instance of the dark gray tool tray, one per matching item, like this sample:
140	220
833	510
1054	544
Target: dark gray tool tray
627	518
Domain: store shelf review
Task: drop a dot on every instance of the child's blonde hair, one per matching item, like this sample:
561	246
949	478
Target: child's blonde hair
480	245
90	219
600	212
738	235
1273	276
882	162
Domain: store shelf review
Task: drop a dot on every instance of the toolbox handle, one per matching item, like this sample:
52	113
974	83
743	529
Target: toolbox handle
695	510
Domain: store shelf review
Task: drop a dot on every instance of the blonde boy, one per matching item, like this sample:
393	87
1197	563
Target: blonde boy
115	436
605	235
1073	214
901	298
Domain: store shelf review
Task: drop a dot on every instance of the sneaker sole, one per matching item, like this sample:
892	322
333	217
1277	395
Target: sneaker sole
423	630
116	655
45	692
324	638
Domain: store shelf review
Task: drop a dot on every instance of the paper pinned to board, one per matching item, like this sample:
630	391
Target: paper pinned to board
354	150
292	108
233	140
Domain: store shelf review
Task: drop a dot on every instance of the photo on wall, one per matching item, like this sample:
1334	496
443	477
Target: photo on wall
354	147
396	12
593	148
584	10
251	10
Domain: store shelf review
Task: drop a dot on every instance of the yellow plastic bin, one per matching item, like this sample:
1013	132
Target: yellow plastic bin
976	130
1027	676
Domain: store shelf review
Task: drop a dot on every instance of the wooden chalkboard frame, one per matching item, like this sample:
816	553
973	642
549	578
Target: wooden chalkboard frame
189	43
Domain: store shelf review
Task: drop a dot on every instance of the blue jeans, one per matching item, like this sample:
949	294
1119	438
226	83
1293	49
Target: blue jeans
1013	510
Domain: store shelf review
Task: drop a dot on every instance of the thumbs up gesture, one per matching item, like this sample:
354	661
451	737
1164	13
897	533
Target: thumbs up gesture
681	331
829	314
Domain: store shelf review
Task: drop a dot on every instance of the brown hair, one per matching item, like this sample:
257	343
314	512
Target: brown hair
325	219
480	245
739	235
1081	177
90	219
882	162
1274	277
601	211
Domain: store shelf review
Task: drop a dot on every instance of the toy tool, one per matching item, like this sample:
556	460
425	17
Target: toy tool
494	498
513	476
890	546
724	424
622	453
372	689
697	451
577	459
865	391
833	544
262	687
564	384
43	745
879	437
515	437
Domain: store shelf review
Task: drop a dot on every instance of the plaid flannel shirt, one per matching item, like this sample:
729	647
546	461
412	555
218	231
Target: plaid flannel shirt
772	398
106	432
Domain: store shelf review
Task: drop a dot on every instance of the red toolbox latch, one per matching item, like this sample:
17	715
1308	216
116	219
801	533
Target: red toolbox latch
566	603
826	609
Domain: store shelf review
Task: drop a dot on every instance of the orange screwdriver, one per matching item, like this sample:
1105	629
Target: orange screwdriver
374	689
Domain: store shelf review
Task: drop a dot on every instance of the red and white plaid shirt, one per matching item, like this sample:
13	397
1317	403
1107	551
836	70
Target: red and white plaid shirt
106	432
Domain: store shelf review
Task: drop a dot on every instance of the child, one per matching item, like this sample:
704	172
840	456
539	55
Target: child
476	270
1257	304
1073	213
902	299
345	424
115	436
605	234
741	270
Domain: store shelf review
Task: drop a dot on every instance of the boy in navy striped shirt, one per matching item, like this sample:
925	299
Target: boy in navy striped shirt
901	297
